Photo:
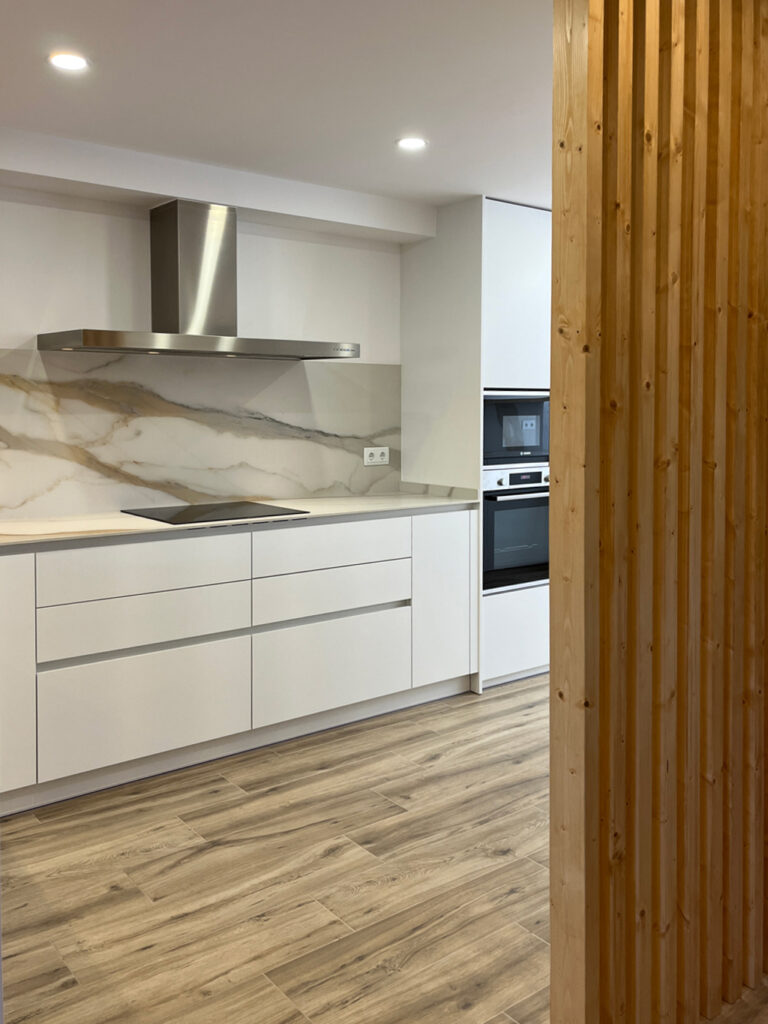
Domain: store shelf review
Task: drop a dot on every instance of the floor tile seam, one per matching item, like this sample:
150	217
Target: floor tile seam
538	992
285	995
437	805
475	876
68	818
313	773
479	787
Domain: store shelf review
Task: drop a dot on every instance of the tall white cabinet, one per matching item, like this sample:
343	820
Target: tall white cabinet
475	316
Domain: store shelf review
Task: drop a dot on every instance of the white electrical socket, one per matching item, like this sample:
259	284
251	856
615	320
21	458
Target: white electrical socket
376	456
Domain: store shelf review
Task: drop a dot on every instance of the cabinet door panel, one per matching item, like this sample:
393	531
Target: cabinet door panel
442	597
326	591
303	547
142	567
300	670
515	632
517	288
116	710
77	630
18	760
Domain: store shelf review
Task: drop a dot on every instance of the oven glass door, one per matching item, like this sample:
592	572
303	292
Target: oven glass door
515	430
515	538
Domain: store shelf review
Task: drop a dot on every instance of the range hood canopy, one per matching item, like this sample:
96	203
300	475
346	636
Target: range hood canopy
193	264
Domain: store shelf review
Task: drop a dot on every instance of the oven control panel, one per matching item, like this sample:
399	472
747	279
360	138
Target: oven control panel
505	478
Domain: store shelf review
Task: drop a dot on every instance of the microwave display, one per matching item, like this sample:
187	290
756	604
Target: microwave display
520	431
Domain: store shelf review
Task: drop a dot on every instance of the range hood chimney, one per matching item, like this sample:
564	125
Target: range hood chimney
193	264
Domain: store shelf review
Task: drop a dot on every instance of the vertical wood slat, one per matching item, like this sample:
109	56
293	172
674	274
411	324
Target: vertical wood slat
696	105
643	175
660	402
665	486
713	511
753	567
733	893
575	657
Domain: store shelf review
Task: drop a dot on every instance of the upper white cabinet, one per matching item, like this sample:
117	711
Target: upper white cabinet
475	313
443	603
18	703
517	262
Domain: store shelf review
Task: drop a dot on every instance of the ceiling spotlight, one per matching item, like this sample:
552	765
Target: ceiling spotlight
68	61
412	143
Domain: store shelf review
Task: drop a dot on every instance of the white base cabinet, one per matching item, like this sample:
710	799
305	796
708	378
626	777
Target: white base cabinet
126	650
515	632
300	670
18	712
106	712
442	597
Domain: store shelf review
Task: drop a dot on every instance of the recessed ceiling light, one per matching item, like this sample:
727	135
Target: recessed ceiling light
68	61
412	143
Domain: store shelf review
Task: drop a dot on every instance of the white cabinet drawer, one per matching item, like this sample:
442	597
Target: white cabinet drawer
76	630
18	757
300	547
515	632
118	570
324	591
90	716
300	670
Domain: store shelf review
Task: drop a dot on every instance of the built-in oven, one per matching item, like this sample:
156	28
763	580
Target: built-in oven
515	427
515	526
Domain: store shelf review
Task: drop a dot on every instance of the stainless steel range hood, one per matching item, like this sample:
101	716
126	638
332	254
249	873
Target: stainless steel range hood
193	257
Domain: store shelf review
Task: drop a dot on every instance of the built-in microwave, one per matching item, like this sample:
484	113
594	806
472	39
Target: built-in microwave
515	427
515	526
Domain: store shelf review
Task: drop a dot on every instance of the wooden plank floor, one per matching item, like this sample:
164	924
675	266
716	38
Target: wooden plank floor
387	872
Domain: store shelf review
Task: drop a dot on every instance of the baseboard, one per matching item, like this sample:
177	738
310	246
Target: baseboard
542	670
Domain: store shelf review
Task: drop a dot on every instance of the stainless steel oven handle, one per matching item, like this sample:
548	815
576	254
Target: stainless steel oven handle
515	497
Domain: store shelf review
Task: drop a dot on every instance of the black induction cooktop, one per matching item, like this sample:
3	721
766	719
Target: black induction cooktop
215	512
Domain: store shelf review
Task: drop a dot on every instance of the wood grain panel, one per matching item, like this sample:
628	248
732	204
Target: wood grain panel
660	440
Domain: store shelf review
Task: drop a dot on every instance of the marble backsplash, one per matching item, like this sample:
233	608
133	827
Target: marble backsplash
92	433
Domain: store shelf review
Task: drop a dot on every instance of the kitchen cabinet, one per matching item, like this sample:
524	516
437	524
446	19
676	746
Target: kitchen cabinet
515	634
517	305
327	591
125	649
301	547
96	627
442	596
475	315
303	669
122	568
105	712
18	711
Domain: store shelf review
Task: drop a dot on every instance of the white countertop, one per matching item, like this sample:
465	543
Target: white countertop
16	532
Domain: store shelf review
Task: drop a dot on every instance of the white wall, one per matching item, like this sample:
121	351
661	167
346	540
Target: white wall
314	287
93	432
68	262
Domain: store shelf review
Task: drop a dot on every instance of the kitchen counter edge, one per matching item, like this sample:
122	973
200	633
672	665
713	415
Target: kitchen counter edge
15	534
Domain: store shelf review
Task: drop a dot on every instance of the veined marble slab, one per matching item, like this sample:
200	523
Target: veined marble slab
82	434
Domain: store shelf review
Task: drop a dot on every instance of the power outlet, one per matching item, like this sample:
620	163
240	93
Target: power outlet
376	456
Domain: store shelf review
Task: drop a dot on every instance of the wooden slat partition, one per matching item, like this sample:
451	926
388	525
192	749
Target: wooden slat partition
658	508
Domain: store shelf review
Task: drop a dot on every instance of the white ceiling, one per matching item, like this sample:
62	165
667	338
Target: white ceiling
314	90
